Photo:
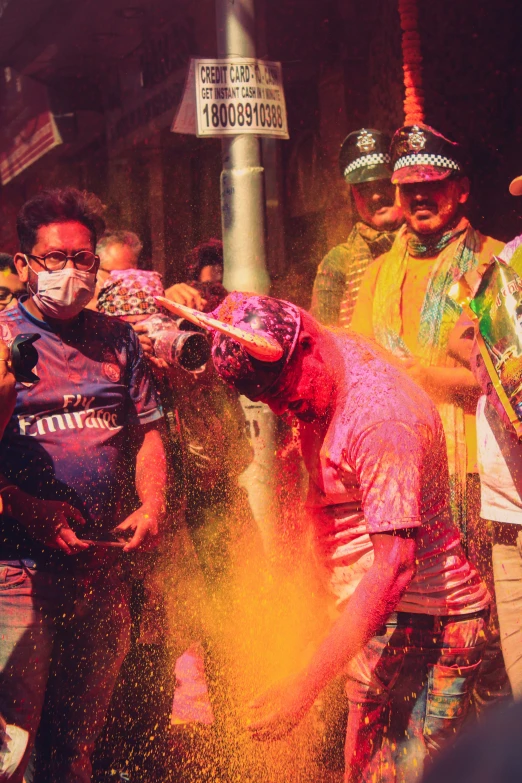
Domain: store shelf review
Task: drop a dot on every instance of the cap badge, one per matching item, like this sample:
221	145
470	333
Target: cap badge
416	139
365	142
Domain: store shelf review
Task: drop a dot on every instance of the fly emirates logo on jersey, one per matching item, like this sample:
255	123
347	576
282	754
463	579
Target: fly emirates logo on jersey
78	413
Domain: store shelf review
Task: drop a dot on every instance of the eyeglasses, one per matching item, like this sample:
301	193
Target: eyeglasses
56	260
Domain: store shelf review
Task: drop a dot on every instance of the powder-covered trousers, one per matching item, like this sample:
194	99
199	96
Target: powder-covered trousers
409	693
62	642
507	570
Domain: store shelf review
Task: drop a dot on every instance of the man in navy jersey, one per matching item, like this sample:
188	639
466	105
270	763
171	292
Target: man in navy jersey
81	455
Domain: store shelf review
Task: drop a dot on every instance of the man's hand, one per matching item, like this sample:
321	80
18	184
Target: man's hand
444	384
184	294
461	340
145	525
46	520
417	372
50	525
148	346
375	597
7	388
284	706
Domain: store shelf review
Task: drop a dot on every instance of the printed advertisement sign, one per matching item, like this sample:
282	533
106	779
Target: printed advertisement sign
233	96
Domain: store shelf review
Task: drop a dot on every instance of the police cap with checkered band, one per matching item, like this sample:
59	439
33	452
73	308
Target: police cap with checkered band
364	156
422	154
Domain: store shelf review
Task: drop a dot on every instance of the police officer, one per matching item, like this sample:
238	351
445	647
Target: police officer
364	163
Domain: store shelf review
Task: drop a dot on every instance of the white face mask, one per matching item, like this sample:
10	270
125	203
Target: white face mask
63	294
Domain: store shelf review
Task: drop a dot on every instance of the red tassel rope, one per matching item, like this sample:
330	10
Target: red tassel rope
412	63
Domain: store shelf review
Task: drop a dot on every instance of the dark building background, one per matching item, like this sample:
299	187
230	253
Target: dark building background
114	74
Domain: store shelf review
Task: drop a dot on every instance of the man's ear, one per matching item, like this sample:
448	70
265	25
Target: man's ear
464	188
398	196
22	266
306	342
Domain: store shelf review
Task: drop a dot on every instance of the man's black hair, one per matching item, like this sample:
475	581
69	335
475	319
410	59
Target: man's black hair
208	253
6	262
60	205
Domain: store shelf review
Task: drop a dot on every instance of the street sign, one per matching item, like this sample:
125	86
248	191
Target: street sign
28	129
234	96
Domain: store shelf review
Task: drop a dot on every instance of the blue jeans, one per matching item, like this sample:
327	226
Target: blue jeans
409	693
63	639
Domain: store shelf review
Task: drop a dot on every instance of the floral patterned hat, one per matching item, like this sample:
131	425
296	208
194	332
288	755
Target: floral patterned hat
254	338
130	292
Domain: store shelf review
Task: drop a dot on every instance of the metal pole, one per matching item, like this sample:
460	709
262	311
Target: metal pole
243	223
242	192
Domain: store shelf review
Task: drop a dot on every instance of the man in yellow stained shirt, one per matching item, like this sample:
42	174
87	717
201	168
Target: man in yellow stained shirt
404	305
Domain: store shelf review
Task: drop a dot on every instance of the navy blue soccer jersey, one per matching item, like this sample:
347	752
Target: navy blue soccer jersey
74	435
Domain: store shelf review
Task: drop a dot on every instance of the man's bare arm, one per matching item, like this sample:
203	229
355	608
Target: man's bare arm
151	485
448	383
376	596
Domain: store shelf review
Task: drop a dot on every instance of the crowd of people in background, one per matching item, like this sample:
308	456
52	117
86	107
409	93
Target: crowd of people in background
121	464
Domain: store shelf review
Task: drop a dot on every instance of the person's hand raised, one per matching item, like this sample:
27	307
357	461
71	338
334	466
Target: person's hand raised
185	294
